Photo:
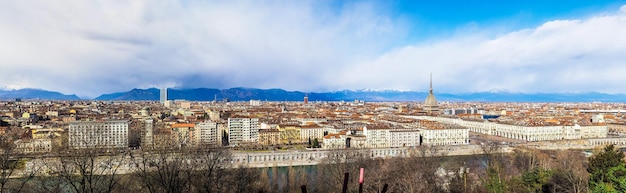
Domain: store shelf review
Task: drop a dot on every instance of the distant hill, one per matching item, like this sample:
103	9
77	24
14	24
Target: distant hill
244	94
135	94
29	93
206	94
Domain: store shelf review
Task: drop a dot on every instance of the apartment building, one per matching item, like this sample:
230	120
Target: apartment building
290	134
445	136
98	134
311	132
269	137
208	133
185	134
377	136
243	130
404	137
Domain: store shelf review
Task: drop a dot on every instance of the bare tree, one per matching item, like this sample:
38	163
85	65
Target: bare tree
570	173
14	174
210	164
205	168
92	169
340	161
163	170
417	173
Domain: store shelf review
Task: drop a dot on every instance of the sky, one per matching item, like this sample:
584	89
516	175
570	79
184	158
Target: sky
94	47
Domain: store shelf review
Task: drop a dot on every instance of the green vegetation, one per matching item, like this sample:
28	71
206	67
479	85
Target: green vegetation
426	170
607	171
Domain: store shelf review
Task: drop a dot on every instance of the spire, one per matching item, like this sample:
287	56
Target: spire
431	83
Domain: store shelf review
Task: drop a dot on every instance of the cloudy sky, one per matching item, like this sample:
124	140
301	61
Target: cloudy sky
93	47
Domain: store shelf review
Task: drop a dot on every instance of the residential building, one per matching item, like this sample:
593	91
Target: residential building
208	132
269	137
334	141
34	145
377	136
311	132
46	133
290	134
185	134
98	134
255	102
404	137
526	132
243	130
445	136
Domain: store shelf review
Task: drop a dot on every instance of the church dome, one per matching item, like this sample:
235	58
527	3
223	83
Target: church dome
430	100
430	104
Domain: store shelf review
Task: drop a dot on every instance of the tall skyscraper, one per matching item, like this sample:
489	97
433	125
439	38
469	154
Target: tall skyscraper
163	95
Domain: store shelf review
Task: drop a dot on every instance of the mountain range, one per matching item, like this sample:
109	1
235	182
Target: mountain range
244	94
29	93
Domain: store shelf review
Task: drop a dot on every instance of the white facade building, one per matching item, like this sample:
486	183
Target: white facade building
448	136
311	132
208	132
97	134
255	102
526	133
243	130
34	145
334	141
377	136
404	138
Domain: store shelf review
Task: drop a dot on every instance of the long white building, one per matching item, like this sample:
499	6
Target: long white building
381	136
526	133
98	134
447	136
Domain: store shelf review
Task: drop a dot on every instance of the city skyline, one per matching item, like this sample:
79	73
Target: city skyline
90	48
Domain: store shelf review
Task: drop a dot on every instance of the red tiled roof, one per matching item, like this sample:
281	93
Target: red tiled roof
183	125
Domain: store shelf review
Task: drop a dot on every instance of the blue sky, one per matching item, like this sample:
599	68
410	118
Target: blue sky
435	20
94	47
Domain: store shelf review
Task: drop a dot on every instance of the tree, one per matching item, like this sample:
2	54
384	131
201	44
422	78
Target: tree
536	180
203	168
316	143
569	172
493	165
12	162
163	169
338	162
607	170
210	165
90	169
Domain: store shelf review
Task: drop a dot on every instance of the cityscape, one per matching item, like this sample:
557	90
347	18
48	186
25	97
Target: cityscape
275	134
274	96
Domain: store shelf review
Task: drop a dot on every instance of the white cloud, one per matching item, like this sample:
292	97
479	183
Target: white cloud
94	47
103	46
558	56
